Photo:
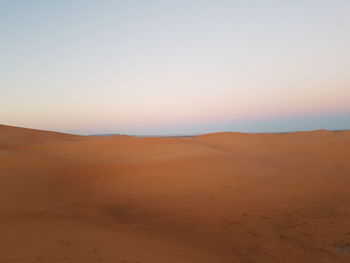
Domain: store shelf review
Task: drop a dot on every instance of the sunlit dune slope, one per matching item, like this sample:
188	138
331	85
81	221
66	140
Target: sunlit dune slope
222	197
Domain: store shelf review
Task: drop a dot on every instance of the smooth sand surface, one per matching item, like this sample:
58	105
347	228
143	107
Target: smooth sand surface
223	197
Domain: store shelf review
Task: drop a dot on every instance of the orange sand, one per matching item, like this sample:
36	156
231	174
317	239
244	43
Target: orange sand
224	197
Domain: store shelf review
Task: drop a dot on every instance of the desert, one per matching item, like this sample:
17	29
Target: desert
159	131
220	197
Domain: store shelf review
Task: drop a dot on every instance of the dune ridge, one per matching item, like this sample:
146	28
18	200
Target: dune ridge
220	197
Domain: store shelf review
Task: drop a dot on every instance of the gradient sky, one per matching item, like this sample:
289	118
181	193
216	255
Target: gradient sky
170	67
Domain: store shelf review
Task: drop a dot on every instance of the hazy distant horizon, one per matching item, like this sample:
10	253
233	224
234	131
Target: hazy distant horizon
170	67
334	122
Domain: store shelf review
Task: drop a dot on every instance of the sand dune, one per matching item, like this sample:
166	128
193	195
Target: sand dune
222	197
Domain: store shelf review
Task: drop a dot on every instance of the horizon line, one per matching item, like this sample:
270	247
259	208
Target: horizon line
172	135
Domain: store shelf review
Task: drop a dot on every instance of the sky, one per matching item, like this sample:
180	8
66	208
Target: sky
175	67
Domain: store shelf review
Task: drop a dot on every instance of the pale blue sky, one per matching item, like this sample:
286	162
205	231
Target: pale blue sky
156	67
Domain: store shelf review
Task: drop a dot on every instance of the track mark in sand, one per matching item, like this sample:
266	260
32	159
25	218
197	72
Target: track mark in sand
343	248
65	242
